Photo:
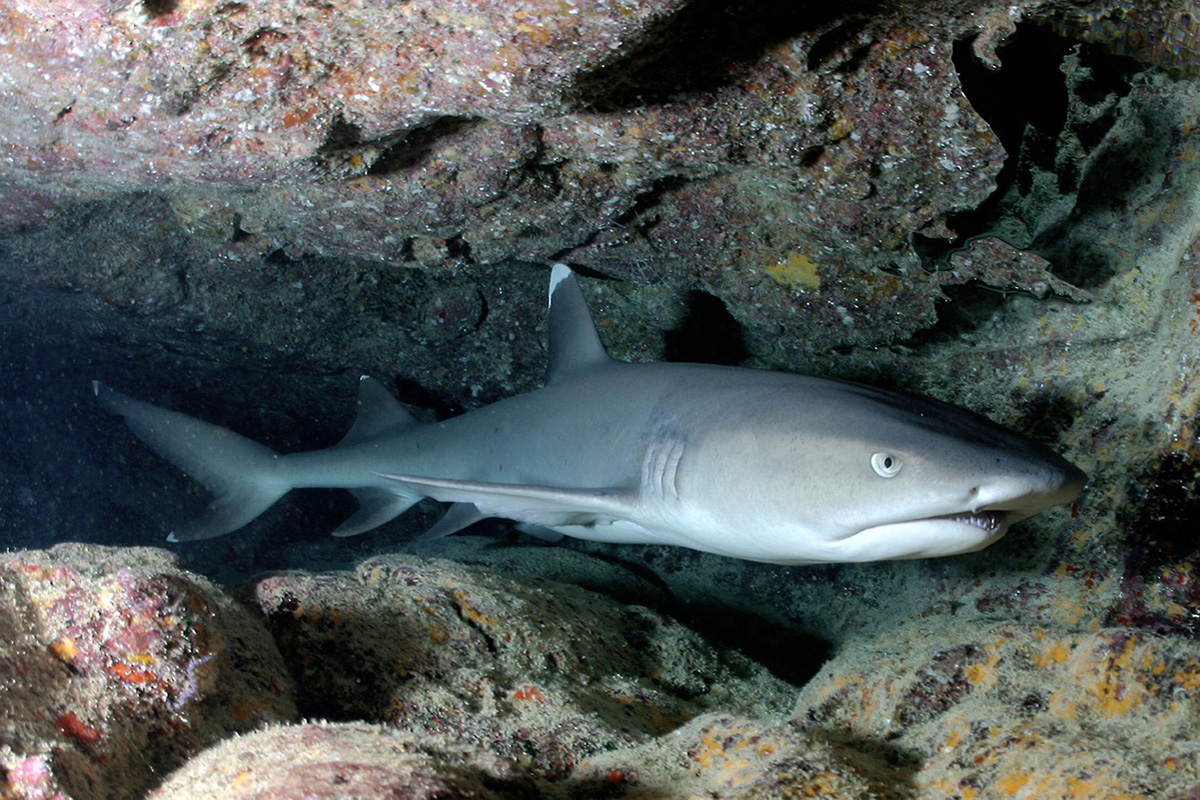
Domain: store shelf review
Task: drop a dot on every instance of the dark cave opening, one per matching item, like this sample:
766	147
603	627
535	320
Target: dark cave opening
1028	104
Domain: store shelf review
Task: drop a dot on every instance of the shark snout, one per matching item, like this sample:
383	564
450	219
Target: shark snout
1026	494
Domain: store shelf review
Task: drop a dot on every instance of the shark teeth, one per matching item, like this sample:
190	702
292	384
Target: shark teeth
989	521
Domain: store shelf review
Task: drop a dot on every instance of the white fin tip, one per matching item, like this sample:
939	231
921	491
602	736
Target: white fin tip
558	273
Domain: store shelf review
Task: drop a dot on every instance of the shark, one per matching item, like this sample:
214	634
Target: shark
747	463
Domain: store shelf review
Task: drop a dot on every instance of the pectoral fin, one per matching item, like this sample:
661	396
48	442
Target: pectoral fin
539	505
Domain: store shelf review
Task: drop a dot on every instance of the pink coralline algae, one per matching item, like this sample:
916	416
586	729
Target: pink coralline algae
30	779
126	665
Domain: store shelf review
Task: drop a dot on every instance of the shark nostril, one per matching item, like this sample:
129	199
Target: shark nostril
973	499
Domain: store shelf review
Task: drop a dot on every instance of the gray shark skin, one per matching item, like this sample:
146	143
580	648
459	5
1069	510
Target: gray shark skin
752	464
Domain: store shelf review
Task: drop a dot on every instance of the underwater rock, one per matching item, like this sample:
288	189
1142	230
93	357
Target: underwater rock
715	755
544	674
341	121
450	678
116	665
779	158
326	760
997	264
804	168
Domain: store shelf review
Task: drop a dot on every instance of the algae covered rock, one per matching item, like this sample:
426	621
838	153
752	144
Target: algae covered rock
718	755
545	674
996	709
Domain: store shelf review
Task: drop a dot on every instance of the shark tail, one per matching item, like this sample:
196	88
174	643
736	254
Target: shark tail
243	476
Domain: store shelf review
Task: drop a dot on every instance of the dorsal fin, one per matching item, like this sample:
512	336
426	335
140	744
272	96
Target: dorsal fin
574	343
378	412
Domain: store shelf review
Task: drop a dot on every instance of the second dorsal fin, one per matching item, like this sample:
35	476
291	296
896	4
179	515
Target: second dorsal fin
378	412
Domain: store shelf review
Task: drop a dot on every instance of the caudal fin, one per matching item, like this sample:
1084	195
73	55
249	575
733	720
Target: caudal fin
242	475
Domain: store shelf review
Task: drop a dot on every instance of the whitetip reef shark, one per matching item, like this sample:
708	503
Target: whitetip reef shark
753	464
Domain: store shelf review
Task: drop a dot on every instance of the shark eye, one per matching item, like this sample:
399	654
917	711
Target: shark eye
886	465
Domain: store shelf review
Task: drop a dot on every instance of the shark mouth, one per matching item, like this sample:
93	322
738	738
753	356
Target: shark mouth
988	521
